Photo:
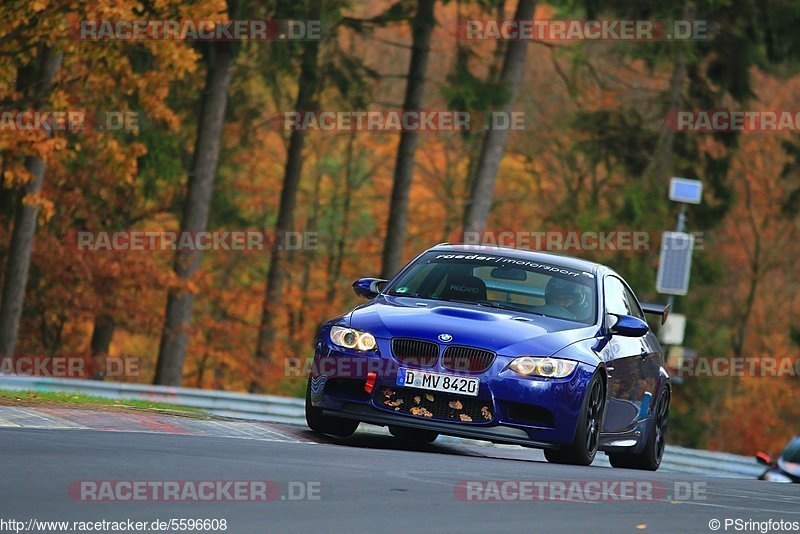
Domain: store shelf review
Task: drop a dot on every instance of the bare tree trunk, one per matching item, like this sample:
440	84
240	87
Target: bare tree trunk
305	286
480	201
306	101
740	334
6	199
102	334
756	272
341	242
476	145
174	338
204	362
19	252
660	166
422	27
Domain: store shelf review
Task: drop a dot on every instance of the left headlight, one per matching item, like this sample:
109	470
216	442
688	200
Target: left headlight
350	338
544	367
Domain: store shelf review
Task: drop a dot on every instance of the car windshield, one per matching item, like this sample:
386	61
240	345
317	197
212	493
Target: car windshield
792	451
503	282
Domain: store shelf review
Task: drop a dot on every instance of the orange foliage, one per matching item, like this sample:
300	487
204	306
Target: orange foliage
93	182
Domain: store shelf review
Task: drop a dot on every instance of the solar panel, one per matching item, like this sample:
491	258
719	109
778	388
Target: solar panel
675	265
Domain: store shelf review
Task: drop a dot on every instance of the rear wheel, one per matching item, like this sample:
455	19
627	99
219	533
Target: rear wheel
326	424
650	458
587	436
413	434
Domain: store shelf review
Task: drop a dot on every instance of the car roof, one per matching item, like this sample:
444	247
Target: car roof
542	257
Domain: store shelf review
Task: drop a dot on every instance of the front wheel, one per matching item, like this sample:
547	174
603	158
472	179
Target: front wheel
650	458
587	436
326	424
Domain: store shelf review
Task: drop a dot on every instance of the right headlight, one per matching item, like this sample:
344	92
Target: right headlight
544	367
350	338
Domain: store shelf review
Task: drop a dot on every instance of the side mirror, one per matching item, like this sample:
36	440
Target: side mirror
764	459
368	287
629	326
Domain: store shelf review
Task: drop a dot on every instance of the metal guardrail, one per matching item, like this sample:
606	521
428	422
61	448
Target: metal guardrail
272	408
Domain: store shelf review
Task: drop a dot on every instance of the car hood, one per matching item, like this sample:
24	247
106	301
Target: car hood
505	332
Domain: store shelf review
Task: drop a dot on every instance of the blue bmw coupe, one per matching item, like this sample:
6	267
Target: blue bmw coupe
504	345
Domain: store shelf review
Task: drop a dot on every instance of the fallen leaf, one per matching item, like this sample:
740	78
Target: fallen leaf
465	417
416	410
417	399
429	397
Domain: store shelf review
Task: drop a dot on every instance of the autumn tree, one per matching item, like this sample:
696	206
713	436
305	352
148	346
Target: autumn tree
219	57
308	87
480	200
422	27
341	73
35	80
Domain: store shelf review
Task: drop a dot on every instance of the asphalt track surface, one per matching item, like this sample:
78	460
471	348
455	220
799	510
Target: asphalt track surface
368	482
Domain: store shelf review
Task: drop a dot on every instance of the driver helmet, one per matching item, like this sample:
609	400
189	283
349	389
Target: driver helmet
561	293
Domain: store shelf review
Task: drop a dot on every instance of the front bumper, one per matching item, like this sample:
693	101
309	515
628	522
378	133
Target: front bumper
535	412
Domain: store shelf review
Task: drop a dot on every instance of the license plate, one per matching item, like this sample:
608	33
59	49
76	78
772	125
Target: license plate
437	382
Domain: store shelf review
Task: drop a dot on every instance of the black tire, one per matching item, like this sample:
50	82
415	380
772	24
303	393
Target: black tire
650	458
326	424
583	448
413	434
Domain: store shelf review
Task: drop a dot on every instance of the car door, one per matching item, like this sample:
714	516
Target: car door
652	358
632	378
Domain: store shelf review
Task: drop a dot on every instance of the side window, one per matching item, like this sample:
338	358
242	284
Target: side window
616	298
620	300
633	304
416	279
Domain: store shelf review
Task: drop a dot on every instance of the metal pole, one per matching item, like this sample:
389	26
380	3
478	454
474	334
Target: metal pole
679	227
681	219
